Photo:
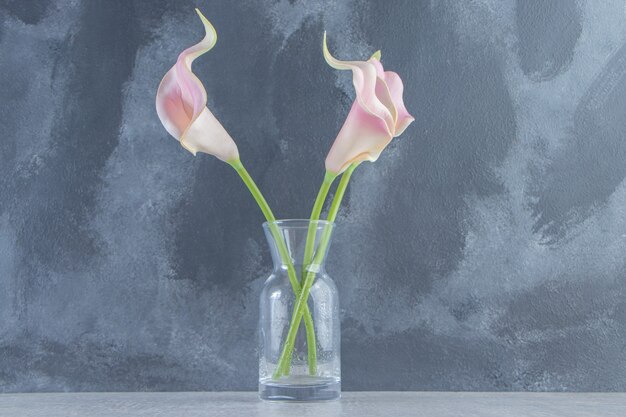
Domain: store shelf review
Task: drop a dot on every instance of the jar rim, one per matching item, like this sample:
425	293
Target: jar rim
298	223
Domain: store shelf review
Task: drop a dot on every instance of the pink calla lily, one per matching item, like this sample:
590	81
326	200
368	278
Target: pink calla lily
377	115
181	105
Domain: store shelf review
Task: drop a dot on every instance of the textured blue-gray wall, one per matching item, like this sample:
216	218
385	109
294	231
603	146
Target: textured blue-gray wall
485	250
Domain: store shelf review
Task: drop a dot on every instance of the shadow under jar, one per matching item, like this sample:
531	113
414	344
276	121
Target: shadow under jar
312	370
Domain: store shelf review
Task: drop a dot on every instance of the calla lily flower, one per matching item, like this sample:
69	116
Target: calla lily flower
181	105
377	115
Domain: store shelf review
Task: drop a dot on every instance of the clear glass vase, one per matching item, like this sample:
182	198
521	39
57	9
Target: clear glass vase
312	371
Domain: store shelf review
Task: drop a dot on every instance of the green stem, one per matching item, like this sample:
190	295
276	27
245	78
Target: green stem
315	215
301	304
284	255
341	190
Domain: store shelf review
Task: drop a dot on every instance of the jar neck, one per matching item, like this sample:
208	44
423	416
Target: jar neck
288	238
283	267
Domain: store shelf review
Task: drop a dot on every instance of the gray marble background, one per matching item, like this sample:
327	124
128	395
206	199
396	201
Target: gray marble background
485	250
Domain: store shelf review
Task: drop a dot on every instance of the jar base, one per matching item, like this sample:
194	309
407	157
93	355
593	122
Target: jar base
300	388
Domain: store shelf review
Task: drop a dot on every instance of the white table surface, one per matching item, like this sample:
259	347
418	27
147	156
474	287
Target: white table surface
359	404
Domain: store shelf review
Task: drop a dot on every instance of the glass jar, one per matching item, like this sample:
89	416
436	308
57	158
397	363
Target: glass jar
312	370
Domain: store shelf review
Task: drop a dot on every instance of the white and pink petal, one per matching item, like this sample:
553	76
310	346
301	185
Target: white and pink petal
396	89
362	138
206	134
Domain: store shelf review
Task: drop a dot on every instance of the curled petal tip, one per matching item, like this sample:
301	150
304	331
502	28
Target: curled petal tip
325	49
330	60
376	55
202	17
211	33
